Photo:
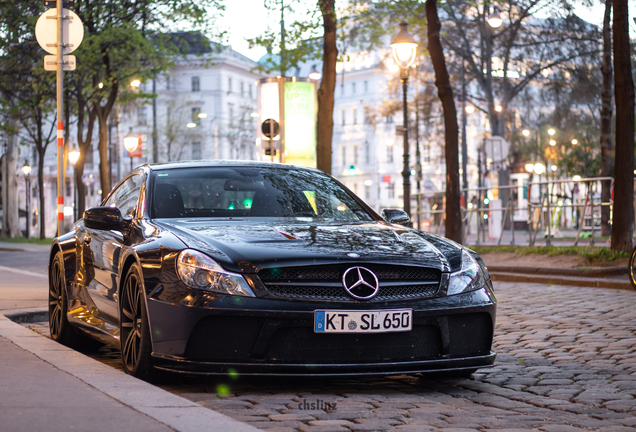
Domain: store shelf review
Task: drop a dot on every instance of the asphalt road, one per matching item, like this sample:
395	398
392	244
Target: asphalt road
35	260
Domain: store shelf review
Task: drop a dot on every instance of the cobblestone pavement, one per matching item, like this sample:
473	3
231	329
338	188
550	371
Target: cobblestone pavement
565	362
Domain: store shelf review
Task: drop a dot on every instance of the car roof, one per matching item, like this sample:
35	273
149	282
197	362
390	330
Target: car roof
224	163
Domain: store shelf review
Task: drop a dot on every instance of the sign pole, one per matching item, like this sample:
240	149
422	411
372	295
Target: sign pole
60	122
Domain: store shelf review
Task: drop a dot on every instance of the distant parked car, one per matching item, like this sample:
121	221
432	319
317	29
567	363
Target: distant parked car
214	267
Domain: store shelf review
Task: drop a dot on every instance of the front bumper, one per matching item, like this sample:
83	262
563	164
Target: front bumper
253	336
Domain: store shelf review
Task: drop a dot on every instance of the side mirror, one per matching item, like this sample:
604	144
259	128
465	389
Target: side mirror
103	218
396	216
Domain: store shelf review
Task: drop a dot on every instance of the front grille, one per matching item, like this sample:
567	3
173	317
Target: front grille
302	345
325	282
334	273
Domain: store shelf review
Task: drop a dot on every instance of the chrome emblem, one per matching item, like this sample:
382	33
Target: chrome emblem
353	255
360	283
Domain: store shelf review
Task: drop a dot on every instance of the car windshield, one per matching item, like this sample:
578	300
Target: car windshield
246	192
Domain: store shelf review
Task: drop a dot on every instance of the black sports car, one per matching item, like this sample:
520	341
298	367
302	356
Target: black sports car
257	268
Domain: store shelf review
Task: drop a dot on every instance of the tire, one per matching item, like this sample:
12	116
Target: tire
134	329
632	268
61	330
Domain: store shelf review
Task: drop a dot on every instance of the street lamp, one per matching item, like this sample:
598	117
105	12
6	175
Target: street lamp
404	50
494	20
314	74
73	157
525	133
26	170
539	168
130	143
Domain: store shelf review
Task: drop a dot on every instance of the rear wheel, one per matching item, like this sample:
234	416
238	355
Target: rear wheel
61	330
136	346
632	268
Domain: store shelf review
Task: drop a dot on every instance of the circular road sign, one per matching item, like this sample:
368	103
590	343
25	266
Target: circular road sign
46	31
88	179
270	128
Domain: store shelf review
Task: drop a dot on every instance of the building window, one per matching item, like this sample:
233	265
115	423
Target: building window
167	82
389	154
196	150
367	153
195	115
355	188
242	86
426	154
142	115
344	156
391	189
229	85
249	90
367	192
196	84
389	119
366	86
353	88
355	116
342	90
355	154
344	117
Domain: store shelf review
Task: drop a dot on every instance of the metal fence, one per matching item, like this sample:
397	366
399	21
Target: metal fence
518	212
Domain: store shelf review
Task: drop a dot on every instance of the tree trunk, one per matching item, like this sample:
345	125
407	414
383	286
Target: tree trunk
11	217
451	130
81	189
606	119
104	175
324	128
623	224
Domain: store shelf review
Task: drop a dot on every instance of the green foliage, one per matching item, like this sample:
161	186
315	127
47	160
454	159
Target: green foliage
46	241
302	31
591	254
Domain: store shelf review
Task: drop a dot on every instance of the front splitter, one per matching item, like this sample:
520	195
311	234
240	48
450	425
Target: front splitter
180	365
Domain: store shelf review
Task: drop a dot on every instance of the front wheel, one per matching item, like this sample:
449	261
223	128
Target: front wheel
136	346
632	268
61	330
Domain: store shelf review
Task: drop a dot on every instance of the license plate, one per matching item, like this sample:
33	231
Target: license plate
348	321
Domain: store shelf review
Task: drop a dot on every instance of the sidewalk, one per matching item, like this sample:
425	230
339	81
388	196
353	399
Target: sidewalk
45	386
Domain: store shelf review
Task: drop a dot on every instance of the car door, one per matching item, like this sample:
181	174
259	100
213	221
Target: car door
106	247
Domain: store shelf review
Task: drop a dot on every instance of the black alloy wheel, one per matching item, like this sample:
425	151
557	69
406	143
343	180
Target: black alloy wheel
61	330
136	346
632	268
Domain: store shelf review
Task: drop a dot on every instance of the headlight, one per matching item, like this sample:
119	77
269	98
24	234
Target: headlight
468	278
198	270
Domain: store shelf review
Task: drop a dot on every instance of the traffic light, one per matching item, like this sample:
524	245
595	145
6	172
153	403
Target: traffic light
270	152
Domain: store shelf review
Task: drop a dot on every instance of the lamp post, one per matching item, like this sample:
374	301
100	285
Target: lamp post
73	157
130	143
26	170
404	50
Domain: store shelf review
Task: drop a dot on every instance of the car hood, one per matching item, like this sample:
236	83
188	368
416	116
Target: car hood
245	246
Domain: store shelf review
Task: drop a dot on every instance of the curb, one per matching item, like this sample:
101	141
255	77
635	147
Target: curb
562	280
176	412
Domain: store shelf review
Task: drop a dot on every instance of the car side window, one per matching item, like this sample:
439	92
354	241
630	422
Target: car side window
126	196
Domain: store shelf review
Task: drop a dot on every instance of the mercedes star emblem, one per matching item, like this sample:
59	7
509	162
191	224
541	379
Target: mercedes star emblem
360	283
